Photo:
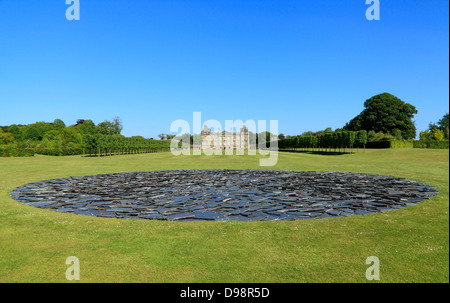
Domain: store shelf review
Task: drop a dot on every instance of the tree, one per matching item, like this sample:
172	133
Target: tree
441	129
70	135
37	131
444	122
397	134
59	124
437	134
308	133
80	122
117	126
86	128
110	128
15	131
104	128
6	138
385	113
166	136
52	135
444	125
361	138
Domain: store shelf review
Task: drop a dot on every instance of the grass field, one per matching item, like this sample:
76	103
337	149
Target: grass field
412	243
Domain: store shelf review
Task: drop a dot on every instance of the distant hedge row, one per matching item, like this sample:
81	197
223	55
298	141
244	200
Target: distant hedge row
109	145
105	145
326	141
8	151
391	143
432	144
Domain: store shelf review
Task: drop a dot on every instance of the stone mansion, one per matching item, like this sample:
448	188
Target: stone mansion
228	139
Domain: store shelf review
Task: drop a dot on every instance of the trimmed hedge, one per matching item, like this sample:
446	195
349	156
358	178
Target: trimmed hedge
392	143
379	144
326	141
432	144
7	151
101	145
402	143
59	151
119	145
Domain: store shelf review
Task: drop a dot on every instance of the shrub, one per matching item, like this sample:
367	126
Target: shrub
6	138
432	144
11	150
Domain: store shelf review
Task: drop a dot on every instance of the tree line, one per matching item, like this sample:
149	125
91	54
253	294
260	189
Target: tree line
342	141
119	145
85	137
388	123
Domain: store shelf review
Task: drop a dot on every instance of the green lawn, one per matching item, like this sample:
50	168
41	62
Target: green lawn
412	244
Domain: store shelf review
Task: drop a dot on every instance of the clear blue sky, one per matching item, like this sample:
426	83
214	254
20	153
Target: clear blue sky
310	64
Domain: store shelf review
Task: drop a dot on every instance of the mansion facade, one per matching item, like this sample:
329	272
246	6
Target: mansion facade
227	139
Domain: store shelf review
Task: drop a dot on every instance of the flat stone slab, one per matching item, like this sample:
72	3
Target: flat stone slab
225	195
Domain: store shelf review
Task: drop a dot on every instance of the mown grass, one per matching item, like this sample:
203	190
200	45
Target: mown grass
411	243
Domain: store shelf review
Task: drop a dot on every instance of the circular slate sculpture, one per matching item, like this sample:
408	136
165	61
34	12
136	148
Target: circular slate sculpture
223	195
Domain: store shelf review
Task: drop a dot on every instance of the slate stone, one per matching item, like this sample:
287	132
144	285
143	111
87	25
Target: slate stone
224	195
208	215
40	204
180	216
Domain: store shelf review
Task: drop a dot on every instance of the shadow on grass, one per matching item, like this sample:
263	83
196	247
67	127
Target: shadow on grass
323	153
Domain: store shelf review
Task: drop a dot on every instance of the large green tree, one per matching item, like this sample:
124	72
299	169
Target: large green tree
385	113
87	127
444	122
37	131
110	128
15	131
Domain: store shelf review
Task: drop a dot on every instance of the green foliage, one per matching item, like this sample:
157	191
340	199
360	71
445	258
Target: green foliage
437	134
431	144
52	135
444	122
110	128
385	113
12	150
105	128
390	142
343	140
59	124
6	138
399	143
376	137
439	131
361	138
86	128
433	139
434	134
397	134
37	131
70	135
15	131
328	139
56	139
117	144
371	135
